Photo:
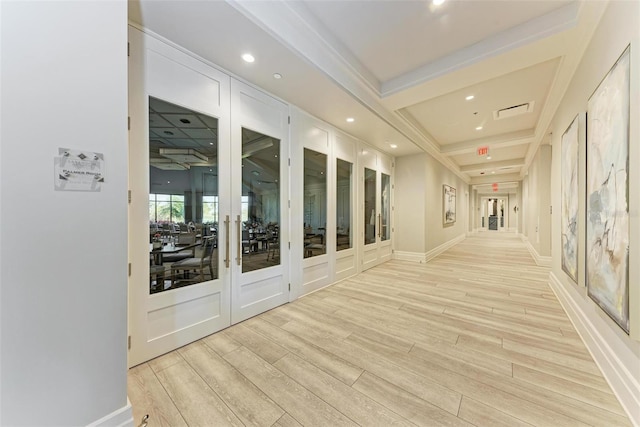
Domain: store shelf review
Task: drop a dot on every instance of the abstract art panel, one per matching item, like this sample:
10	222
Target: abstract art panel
607	240
449	204
569	202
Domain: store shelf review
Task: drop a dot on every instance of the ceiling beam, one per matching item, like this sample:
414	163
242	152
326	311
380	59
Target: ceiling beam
499	141
534	30
492	165
295	28
589	16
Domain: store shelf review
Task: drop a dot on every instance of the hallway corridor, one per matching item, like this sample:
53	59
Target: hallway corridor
474	337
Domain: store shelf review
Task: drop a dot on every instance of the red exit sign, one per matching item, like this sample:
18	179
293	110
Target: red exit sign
495	186
483	151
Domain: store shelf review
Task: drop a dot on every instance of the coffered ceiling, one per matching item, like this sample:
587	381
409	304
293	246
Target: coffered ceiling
402	69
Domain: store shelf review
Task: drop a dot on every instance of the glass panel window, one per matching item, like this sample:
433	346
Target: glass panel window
166	208
315	203
343	205
260	202
369	206
183	194
209	209
385	200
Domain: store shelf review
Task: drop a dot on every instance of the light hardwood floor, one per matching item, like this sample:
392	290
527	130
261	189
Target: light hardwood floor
474	337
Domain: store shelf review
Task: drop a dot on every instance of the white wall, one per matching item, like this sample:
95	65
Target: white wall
64	254
410	201
418	200
538	201
617	354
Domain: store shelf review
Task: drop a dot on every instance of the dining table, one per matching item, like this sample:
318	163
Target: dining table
169	248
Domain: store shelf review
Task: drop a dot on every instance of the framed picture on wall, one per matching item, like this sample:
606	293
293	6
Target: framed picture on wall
448	204
607	237
569	197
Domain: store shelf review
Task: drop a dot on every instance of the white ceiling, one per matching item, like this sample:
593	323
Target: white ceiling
402	69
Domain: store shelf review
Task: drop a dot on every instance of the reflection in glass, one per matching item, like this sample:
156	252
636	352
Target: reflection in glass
369	206
315	203
343	205
183	194
385	199
260	201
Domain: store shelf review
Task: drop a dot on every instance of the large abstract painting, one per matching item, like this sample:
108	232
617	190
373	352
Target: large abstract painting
607	241
569	202
449	204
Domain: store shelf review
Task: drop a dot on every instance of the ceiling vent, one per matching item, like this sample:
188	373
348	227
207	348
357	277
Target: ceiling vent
513	111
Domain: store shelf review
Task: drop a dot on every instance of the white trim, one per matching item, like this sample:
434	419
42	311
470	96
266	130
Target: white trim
542	261
122	417
445	246
597	337
422	258
410	256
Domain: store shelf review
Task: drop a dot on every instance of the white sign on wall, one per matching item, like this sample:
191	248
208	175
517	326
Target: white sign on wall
76	170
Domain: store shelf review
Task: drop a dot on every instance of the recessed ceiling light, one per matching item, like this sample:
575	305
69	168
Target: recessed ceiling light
488	157
479	128
350	119
211	143
247	57
493	171
470	97
438	2
393	145
277	76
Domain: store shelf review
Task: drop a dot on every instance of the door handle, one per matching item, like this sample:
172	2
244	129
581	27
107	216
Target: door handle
380	225
226	226
238	225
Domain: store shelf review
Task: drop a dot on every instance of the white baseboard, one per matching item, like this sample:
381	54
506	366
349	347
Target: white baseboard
410	256
443	247
598	338
542	261
426	257
122	417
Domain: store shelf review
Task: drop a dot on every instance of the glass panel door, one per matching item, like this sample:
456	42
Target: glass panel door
260	245
315	203
343	205
182	153
369	206
179	287
385	200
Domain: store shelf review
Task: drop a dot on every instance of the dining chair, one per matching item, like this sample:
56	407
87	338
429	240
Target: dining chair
156	278
181	271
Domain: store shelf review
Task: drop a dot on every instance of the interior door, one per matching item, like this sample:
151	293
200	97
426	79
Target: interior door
376	209
260	202
178	147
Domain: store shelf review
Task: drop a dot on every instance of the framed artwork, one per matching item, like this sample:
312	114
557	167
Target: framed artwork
607	240
569	197
448	204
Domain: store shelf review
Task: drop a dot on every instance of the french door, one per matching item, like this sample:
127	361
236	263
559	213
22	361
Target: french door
260	213
376	209
208	162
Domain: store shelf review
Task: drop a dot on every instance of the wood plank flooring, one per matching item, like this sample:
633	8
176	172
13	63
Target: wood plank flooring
474	337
